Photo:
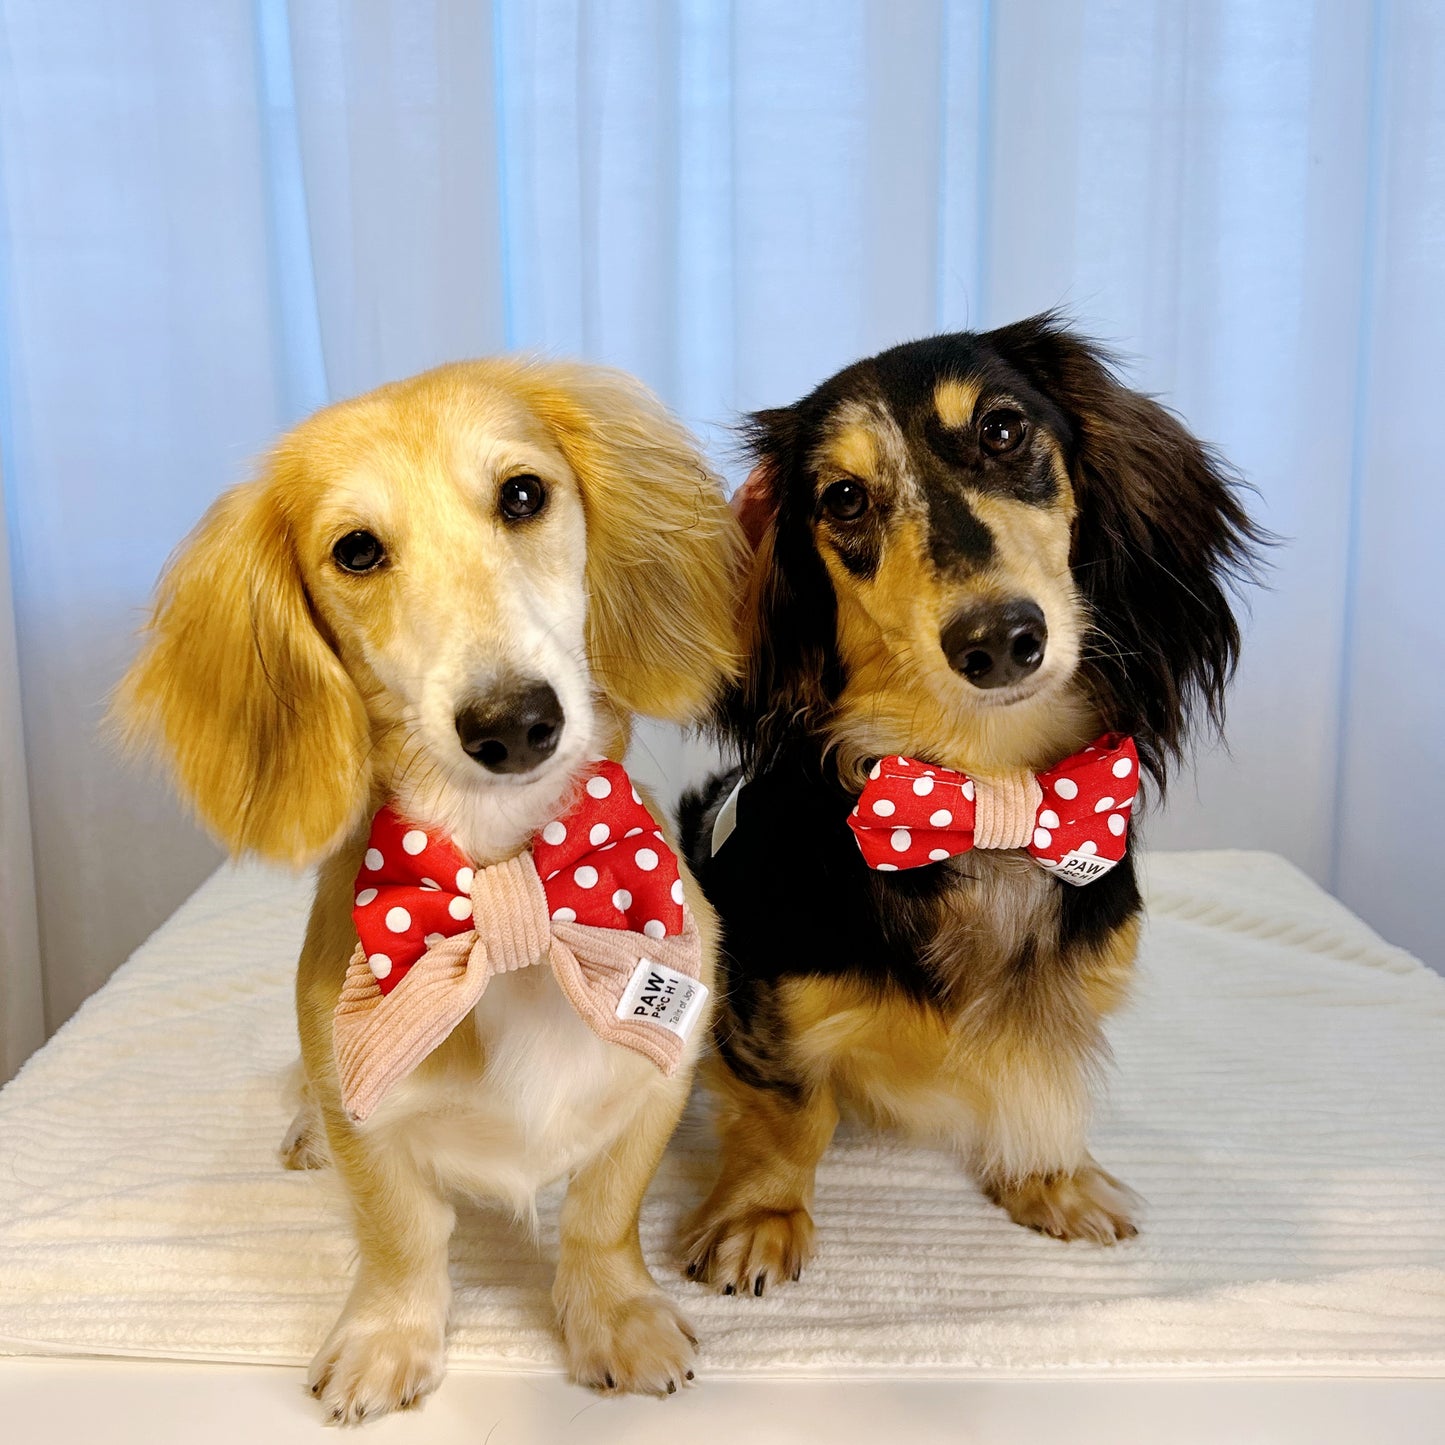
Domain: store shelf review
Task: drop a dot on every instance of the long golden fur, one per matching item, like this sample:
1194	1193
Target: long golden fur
916	498
291	697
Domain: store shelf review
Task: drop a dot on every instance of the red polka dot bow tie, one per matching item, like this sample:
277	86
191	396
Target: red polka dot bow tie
1073	819
598	897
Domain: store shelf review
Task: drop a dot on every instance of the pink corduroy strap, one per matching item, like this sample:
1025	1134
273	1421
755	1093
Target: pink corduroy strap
380	1038
1005	807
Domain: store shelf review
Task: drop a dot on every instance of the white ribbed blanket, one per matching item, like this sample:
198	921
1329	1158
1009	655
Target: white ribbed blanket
1279	1100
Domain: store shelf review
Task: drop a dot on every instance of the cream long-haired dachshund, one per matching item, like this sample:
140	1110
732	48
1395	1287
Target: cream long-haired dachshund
451	595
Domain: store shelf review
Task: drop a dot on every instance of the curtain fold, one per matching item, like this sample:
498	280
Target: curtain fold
1391	784
22	996
214	218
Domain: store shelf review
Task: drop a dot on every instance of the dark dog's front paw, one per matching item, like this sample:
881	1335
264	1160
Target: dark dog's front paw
747	1251
1088	1204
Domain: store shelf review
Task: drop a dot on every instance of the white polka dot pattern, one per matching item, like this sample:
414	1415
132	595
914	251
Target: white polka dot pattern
904	820
401	910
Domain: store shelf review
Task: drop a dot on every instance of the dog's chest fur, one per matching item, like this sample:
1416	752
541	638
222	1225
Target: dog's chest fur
520	1096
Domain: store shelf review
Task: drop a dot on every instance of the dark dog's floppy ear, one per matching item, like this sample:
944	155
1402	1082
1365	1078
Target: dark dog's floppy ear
755	504
664	553
788	613
1160	541
237	691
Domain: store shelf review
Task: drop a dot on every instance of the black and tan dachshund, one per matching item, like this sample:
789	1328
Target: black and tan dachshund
981	551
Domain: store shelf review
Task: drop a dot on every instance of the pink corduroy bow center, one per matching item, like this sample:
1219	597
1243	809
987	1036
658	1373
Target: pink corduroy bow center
598	897
1072	819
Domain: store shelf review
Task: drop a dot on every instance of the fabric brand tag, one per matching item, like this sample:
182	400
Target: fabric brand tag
662	995
727	819
1078	868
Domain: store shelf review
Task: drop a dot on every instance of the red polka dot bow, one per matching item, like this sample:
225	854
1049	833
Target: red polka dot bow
1073	819
598	897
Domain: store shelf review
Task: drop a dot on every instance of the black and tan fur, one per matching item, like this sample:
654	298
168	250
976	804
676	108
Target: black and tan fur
963	1001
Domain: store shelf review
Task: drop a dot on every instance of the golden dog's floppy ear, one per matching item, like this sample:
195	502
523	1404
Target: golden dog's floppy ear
664	553
237	691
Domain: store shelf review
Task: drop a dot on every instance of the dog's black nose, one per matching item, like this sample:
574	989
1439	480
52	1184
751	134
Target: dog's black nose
998	643
511	731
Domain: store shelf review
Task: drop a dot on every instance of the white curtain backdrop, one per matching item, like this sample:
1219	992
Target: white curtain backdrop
215	217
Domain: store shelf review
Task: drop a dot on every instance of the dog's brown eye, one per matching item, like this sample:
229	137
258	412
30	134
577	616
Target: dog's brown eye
1001	431
846	501
359	552
522	497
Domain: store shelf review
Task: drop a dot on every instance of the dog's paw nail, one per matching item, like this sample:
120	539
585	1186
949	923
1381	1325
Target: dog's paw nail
692	1271
672	1387
610	1382
729	1289
758	1284
690	1374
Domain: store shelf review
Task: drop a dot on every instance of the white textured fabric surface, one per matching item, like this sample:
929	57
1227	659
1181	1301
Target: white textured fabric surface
1279	1099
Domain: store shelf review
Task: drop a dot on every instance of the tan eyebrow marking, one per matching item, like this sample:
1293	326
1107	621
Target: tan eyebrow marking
954	402
853	450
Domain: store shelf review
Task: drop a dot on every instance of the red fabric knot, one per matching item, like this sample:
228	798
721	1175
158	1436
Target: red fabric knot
598	898
913	813
603	863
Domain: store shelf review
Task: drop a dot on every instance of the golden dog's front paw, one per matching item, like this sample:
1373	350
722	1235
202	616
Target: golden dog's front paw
745	1252
367	1369
641	1346
1087	1204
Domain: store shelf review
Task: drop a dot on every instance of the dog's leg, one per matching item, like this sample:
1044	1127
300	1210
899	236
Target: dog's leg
1031	1153
304	1146
756	1228
388	1349
305	1142
622	1333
